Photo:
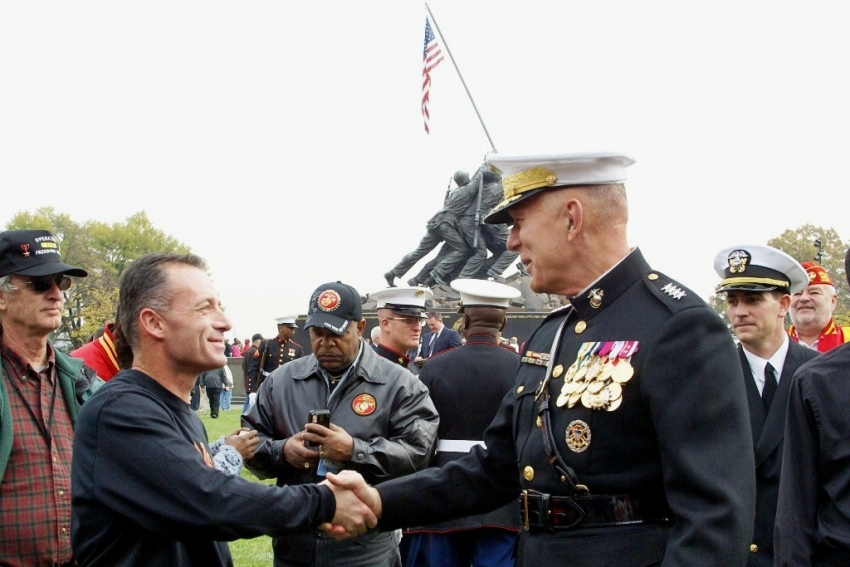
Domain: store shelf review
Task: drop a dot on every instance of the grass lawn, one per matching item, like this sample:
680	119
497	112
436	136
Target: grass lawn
256	552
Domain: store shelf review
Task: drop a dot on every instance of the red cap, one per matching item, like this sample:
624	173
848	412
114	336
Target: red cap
817	275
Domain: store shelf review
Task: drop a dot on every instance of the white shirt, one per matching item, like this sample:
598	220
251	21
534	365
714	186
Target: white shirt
757	363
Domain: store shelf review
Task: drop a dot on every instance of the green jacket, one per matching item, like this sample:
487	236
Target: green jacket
78	383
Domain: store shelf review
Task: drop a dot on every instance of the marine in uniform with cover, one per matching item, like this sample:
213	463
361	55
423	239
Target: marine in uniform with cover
401	315
624	439
275	352
467	385
757	282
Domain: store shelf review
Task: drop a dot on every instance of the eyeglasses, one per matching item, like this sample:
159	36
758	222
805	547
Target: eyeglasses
410	320
44	283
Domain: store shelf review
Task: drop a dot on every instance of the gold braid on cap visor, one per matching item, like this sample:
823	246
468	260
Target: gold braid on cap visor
528	180
763	281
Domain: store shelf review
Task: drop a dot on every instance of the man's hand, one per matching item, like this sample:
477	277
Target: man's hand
245	441
354	482
352	516
335	444
297	455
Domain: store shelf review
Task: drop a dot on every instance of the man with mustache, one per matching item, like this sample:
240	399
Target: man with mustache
382	425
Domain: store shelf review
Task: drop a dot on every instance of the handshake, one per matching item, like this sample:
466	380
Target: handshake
358	505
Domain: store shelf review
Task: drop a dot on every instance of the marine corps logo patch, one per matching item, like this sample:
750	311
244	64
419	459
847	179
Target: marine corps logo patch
578	436
364	404
328	300
738	260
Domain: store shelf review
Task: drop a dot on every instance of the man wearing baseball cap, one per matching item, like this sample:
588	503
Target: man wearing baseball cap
382	424
40	395
277	351
757	282
811	313
812	526
401	316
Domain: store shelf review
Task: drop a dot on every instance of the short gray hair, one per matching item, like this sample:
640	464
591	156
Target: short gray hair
7	285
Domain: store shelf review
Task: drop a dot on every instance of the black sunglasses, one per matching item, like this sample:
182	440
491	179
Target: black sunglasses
42	284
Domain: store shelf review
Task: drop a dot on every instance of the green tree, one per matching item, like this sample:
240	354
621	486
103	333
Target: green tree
801	245
103	250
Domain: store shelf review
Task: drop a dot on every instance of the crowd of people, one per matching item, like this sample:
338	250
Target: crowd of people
630	429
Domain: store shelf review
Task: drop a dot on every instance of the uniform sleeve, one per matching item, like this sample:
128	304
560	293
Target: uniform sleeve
268	460
254	364
798	484
481	481
135	461
409	445
693	382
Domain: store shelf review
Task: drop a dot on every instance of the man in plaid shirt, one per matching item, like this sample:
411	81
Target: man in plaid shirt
40	393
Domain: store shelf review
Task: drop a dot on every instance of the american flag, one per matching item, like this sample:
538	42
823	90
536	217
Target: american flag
431	57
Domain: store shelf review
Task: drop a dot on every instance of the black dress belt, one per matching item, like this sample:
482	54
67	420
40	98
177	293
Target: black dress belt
545	512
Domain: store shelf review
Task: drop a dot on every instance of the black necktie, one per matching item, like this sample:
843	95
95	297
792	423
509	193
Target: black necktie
769	386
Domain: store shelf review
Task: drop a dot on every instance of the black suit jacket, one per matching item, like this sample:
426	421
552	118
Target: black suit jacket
768	432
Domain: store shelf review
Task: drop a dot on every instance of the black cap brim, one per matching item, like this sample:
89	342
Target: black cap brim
52	268
332	323
500	215
406	310
749	287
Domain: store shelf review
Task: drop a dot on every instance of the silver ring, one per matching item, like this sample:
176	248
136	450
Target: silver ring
306	465
321	450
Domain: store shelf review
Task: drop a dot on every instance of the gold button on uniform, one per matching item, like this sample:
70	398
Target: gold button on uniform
653	277
539	421
520	389
580	327
528	473
754	548
557	371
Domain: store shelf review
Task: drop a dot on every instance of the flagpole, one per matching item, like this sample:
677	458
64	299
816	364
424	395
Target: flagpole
449	51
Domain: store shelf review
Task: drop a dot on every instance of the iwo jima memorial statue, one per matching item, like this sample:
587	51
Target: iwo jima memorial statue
467	248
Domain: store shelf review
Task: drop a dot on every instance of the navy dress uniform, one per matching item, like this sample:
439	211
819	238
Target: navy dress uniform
622	436
762	269
403	301
467	385
274	353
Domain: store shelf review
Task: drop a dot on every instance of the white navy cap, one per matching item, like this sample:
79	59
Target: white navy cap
288	320
524	176
484	293
758	268
407	301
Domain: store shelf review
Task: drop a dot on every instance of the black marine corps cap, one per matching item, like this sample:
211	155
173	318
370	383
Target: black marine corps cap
333	306
33	253
758	268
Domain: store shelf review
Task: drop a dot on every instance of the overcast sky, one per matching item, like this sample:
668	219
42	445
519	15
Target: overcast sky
284	141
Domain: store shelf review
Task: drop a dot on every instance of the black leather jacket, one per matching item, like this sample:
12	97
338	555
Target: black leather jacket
386	409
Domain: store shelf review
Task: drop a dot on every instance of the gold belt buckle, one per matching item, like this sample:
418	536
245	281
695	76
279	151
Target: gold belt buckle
524	508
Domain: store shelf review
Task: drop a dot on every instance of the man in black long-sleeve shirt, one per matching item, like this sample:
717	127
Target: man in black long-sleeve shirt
145	491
